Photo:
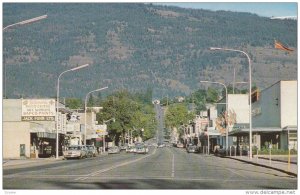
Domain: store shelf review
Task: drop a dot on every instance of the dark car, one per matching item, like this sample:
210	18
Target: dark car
91	150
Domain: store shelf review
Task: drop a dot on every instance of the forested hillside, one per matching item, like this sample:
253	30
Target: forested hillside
139	46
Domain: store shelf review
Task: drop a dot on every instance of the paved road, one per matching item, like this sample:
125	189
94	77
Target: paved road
162	168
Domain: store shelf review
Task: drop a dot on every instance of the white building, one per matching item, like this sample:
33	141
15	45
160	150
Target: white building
29	128
274	118
238	115
274	115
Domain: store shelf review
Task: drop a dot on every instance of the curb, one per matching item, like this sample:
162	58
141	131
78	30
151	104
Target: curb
266	166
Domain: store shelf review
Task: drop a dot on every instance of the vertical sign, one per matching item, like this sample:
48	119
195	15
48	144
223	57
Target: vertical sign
59	120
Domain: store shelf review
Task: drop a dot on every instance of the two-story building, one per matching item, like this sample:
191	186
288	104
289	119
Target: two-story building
274	118
29	128
237	115
274	115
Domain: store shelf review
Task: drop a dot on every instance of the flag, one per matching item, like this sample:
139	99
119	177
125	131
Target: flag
279	45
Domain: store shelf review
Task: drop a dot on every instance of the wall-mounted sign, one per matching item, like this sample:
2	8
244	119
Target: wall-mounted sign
101	129
38	110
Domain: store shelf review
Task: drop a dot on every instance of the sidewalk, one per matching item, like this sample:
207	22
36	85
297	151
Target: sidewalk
34	161
292	169
29	161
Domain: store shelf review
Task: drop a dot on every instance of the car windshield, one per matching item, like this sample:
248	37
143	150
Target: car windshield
74	148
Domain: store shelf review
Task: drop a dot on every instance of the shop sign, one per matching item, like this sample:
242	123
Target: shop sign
101	129
38	110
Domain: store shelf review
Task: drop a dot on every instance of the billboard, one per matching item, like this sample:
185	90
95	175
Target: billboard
38	110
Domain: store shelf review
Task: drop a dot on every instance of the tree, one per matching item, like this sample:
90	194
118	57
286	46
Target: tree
91	101
177	114
211	95
74	103
128	114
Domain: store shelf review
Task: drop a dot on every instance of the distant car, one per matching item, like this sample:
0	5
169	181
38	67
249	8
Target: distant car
141	149
154	145
179	145
91	150
130	149
113	150
161	145
123	147
76	151
191	149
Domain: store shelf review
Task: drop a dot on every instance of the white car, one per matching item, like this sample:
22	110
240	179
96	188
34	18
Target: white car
130	149
141	149
114	150
77	151
180	145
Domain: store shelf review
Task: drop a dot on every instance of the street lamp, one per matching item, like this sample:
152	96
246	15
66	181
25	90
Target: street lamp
57	100
85	105
250	108
226	116
15	24
26	21
142	130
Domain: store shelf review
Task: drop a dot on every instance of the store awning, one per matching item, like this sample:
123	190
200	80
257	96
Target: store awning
244	131
290	128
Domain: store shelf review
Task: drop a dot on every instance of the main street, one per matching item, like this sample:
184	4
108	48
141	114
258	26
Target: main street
161	168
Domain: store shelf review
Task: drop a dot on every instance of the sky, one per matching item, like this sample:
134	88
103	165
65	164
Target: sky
266	9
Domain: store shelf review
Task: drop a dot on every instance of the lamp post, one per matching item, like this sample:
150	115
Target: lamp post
250	107
226	116
142	130
104	122
85	105
57	101
26	21
15	24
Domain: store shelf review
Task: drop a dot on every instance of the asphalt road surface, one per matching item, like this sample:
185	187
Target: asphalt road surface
161	168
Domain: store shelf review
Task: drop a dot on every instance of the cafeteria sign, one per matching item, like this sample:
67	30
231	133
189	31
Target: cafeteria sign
38	110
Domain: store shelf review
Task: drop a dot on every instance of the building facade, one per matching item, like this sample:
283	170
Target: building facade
29	128
274	116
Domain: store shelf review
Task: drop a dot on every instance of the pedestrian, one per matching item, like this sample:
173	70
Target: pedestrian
98	150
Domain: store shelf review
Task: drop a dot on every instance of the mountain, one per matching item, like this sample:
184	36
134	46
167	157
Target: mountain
136	46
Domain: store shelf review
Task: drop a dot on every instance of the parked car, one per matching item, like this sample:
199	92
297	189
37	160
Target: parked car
123	147
191	149
114	150
77	151
141	149
130	149
179	145
161	145
91	150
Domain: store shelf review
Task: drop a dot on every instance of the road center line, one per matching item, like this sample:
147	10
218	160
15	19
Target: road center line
173	165
235	172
